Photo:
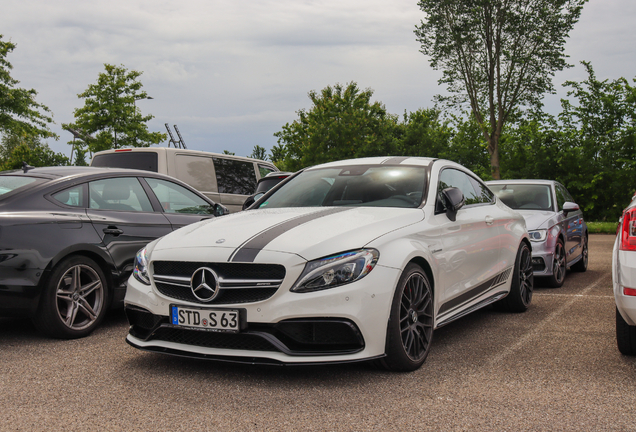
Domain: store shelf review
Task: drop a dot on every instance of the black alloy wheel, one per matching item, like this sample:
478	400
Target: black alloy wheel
558	266
410	328
74	301
522	285
581	265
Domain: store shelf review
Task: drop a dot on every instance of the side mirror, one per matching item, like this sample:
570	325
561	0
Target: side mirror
454	200
252	199
570	207
220	210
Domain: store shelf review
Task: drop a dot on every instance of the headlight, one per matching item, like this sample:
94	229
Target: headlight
538	235
336	270
141	267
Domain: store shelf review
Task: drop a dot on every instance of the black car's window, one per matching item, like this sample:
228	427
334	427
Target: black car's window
473	193
71	197
10	183
352	186
124	194
127	159
177	199
234	177
524	196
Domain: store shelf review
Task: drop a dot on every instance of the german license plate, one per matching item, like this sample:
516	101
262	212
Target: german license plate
200	318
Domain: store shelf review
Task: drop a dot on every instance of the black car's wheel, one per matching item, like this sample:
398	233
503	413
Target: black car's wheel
522	285
410	328
74	299
625	336
558	266
581	265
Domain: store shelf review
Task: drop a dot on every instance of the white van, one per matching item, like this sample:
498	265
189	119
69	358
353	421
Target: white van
225	179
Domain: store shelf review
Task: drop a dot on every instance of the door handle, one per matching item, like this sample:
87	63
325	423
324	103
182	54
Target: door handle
489	220
113	230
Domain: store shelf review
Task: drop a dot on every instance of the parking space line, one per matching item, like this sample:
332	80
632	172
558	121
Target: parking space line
539	329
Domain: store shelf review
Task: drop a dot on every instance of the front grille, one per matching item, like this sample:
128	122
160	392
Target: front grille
238	282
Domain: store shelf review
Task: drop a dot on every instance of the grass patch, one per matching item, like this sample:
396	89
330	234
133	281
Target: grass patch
602	227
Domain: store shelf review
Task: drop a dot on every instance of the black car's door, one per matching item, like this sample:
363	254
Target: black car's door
123	216
180	205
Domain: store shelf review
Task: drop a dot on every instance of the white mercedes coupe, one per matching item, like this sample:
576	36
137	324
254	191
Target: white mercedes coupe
346	261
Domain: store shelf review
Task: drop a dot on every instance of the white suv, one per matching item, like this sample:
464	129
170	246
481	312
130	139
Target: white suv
624	277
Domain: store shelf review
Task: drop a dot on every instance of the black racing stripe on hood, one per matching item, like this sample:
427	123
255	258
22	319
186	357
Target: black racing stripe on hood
247	251
395	160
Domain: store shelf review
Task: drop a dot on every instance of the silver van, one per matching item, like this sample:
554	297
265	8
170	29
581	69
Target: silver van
225	179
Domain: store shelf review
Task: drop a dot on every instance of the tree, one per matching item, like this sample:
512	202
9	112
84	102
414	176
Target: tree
111	115
341	124
18	148
259	153
498	56
19	112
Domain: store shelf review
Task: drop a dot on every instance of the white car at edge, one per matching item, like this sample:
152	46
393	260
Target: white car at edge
624	279
347	261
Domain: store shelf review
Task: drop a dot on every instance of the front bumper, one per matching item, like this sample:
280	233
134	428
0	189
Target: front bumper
342	324
542	258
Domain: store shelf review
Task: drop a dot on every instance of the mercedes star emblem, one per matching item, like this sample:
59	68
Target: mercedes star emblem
205	284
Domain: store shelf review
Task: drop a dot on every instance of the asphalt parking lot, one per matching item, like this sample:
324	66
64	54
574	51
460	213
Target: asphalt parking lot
554	368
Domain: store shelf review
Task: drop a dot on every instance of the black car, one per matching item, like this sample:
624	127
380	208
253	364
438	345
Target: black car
69	235
264	184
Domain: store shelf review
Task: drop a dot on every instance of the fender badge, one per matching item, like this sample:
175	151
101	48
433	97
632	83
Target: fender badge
219	241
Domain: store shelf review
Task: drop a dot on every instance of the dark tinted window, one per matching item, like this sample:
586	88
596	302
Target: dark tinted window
562	196
353	186
137	160
267	183
473	192
234	177
72	196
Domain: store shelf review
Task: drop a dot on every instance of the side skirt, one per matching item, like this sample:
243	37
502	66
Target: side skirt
485	302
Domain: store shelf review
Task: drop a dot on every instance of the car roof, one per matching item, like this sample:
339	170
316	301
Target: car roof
58	172
522	181
383	160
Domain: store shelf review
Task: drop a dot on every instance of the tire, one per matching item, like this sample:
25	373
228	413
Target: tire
74	299
556	279
581	265
410	327
625	336
522	285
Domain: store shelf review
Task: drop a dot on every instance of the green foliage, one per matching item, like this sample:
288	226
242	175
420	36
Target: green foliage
227	152
342	123
19	112
259	153
110	117
18	148
497	56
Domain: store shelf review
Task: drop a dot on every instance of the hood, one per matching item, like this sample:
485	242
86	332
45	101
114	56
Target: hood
310	232
538	219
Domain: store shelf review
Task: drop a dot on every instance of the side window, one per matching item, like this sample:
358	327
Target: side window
123	194
264	170
71	197
455	178
234	177
177	199
560	196
484	195
197	171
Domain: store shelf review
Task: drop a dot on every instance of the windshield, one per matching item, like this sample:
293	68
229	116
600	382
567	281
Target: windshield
524	196
352	186
11	183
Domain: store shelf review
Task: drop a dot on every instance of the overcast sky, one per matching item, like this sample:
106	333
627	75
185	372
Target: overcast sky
231	73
